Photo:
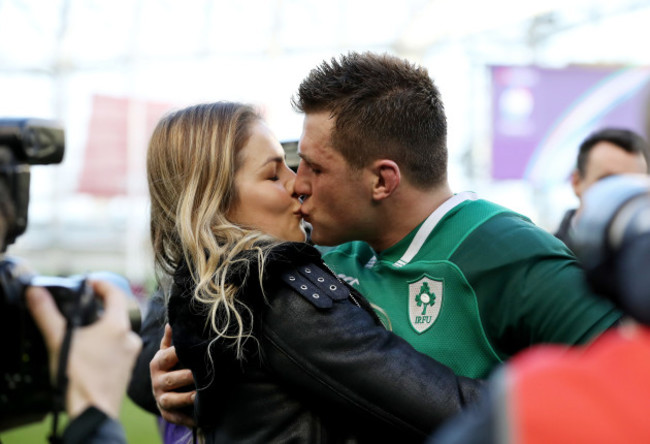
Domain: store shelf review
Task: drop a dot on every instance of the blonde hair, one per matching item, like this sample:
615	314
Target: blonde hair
193	156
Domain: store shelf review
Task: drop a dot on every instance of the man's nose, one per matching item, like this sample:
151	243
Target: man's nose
301	185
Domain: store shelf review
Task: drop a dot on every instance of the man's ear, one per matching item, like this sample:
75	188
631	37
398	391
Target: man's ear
575	182
386	178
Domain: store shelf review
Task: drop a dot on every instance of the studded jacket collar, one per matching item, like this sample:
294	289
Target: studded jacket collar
320	368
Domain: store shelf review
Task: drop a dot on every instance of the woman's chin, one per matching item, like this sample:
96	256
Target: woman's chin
301	235
297	235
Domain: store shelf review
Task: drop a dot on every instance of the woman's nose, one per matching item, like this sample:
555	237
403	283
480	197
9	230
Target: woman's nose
291	186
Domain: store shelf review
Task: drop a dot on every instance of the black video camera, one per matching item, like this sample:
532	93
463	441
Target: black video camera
612	241
24	142
26	392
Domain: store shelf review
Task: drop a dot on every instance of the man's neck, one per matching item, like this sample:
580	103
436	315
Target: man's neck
404	211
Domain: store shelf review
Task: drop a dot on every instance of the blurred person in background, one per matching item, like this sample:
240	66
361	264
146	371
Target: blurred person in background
603	153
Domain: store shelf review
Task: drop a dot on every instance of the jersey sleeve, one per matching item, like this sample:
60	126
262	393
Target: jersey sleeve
530	287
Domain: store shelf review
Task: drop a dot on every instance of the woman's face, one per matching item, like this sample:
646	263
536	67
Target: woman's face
264	183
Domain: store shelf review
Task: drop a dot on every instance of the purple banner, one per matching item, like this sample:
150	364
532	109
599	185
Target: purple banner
540	116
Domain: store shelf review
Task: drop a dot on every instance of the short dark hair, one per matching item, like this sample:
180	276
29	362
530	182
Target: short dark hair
385	107
624	138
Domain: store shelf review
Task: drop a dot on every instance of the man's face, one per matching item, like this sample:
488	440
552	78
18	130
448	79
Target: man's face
606	159
336	200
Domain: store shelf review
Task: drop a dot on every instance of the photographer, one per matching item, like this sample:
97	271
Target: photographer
71	344
97	375
603	153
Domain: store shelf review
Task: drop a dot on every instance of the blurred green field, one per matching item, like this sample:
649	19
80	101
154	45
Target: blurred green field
140	427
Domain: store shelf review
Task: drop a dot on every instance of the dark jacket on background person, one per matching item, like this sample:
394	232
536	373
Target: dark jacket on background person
320	368
564	230
93	426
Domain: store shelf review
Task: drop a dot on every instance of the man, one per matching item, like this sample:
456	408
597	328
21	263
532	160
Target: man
604	153
463	280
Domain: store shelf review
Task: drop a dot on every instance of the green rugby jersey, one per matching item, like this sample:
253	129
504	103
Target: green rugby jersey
474	284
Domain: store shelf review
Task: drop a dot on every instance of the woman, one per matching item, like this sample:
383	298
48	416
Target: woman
280	349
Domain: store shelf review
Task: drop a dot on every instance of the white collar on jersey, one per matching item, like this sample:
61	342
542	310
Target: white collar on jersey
430	223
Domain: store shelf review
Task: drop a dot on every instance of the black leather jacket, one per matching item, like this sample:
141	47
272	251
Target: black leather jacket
321	368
